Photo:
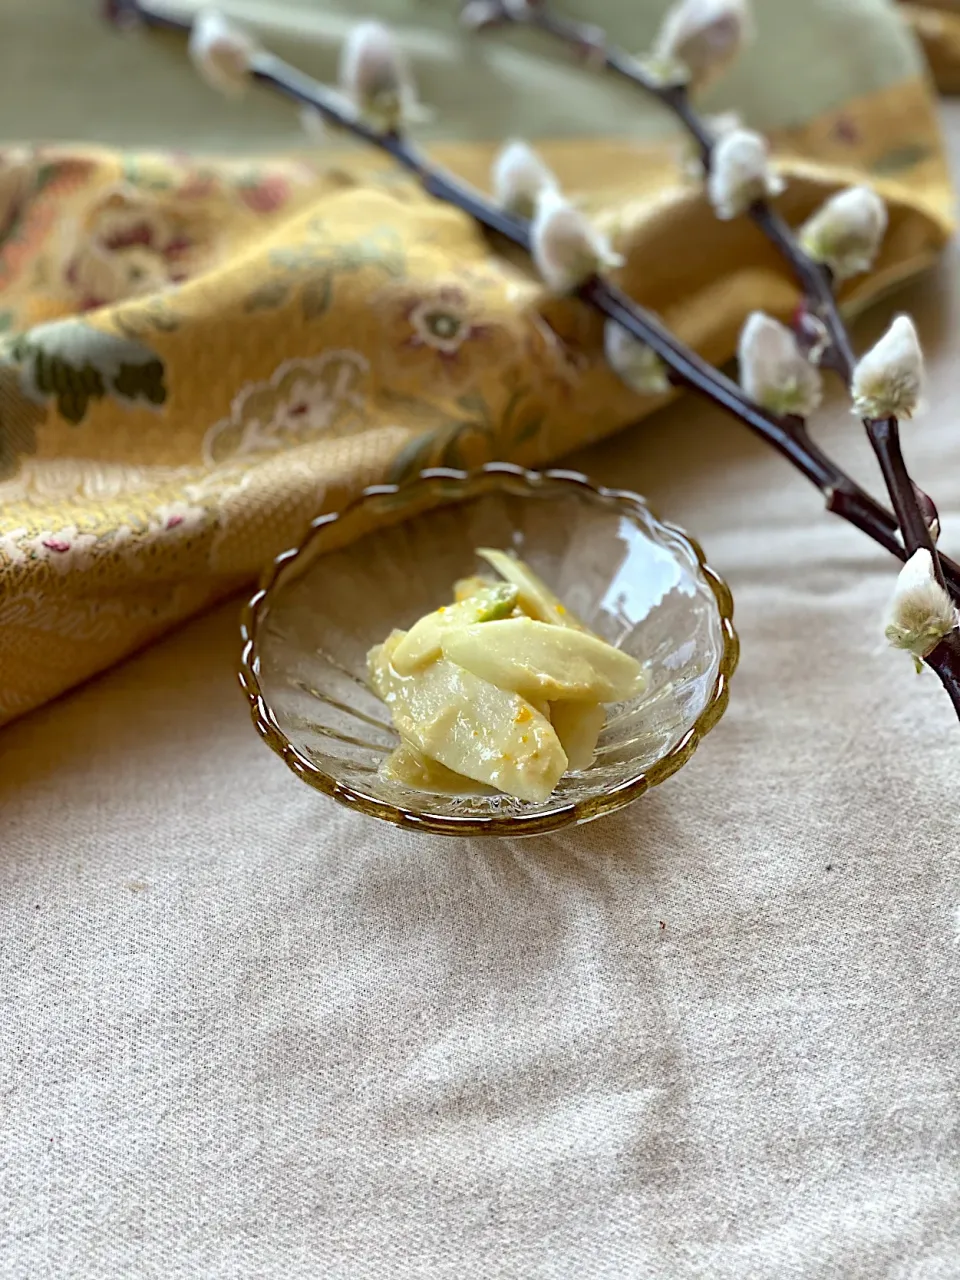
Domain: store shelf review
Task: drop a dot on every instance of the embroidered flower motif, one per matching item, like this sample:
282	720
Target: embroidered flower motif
304	399
444	322
65	549
127	243
441	329
180	516
266	194
11	550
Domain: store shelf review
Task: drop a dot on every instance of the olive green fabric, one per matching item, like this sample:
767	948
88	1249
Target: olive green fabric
64	77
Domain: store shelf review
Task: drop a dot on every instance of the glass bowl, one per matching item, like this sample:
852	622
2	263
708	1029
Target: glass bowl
395	553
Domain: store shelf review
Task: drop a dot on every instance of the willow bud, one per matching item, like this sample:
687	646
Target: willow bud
520	178
567	248
633	361
221	52
888	381
773	370
375	77
699	39
741	173
846	232
921	612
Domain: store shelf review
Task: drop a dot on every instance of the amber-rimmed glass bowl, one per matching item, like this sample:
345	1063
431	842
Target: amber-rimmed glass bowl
394	554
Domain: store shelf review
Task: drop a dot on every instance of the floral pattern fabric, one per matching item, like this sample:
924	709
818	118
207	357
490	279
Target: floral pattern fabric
199	356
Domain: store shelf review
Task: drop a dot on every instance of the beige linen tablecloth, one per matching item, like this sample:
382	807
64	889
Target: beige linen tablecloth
244	1034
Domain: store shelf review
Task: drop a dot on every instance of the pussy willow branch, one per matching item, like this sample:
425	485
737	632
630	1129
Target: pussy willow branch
787	435
592	42
815	280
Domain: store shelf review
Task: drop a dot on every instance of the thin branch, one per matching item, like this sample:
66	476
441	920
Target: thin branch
814	278
945	661
816	284
885	437
591	42
787	435
815	281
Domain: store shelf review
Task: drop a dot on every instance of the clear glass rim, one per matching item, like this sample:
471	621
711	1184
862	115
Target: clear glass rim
459	485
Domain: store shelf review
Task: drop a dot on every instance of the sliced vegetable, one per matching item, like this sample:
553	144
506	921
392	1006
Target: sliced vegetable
578	726
422	643
411	767
540	661
502	689
535	597
473	728
378	663
464	588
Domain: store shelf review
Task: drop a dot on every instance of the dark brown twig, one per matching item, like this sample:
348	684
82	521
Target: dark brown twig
788	435
814	279
590	41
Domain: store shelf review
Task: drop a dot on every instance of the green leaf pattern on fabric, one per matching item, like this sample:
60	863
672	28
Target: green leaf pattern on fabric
72	363
320	258
464	439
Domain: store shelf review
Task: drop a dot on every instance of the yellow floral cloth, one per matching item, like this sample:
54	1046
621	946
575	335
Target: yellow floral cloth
200	355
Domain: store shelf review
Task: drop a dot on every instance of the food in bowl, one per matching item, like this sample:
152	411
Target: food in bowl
501	687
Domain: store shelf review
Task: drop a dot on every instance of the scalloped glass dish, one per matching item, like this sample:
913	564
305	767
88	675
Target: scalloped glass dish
641	584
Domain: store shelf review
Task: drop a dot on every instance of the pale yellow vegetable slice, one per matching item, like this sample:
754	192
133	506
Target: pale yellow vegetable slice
378	663
474	728
464	588
578	726
535	597
541	661
422	643
411	767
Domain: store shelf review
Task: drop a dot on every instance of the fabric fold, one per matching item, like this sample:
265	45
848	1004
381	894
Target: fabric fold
201	354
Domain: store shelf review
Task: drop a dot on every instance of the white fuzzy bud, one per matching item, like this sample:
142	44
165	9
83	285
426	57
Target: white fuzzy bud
221	52
846	232
477	14
699	39
773	369
634	362
740	173
888	381
375	77
520	178
691	156
921	612
567	248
